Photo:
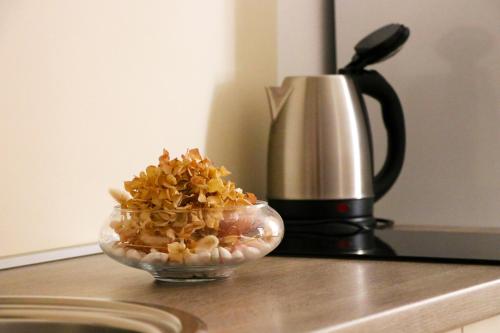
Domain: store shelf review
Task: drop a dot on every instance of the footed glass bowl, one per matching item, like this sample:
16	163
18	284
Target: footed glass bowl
191	245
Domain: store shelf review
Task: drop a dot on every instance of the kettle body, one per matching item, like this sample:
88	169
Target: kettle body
320	157
319	145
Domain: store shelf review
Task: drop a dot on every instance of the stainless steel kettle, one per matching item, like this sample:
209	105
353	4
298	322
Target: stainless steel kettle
320	159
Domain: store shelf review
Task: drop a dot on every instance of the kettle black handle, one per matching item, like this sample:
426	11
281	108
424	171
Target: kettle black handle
373	84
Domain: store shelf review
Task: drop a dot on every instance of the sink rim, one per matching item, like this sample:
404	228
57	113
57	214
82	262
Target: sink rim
29	326
135	316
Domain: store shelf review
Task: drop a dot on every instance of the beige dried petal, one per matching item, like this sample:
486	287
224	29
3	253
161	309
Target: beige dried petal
212	221
229	240
170	233
176	251
116	225
176	199
194	154
165	157
251	198
212	172
198	180
156	201
152	240
215	185
152	171
198	225
214	201
163	216
171	180
120	196
207	243
166	168
202	197
224	172
194	216
242	202
180	220
145	216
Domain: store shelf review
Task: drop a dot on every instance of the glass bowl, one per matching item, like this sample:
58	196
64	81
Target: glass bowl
191	244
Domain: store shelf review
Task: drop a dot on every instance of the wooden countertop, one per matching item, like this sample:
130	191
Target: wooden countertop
278	294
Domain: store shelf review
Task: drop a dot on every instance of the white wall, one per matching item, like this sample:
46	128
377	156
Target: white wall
92	91
448	80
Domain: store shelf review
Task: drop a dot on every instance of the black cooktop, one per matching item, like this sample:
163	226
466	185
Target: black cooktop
394	244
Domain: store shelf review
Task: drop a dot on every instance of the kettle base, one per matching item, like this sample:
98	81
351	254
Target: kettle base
344	209
326	217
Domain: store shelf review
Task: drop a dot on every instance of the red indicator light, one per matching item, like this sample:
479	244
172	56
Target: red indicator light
342	208
344	244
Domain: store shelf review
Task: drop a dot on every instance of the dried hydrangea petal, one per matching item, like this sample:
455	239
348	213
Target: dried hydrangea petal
176	251
120	196
194	154
164	192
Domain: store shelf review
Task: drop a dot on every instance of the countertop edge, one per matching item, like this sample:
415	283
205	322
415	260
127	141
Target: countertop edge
395	297
436	314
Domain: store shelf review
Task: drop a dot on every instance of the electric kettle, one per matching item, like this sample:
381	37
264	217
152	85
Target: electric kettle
320	157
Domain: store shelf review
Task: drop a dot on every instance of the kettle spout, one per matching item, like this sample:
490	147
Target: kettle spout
277	97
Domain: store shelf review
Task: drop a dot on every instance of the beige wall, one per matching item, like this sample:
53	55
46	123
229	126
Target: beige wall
448	79
92	91
306	44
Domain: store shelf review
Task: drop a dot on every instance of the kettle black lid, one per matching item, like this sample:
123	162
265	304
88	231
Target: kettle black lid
378	45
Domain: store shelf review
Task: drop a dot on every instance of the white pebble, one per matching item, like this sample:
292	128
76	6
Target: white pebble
192	259
270	230
260	244
155	257
237	257
250	252
134	254
196	259
214	256
204	257
225	255
273	242
117	251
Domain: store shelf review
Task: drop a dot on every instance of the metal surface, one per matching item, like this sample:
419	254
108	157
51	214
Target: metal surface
319	144
51	327
82	315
